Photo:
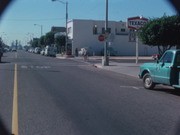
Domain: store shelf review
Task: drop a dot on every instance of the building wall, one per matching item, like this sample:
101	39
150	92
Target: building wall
81	35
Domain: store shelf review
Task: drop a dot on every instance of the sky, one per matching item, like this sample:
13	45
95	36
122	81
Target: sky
18	21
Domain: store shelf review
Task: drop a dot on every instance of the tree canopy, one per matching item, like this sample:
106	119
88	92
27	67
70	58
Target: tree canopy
34	42
161	32
60	41
49	38
42	41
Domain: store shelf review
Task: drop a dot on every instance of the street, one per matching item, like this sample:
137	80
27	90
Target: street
68	97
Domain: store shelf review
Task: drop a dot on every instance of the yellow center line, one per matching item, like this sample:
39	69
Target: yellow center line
15	104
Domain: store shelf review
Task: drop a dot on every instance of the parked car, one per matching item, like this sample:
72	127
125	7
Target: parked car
37	50
6	49
165	71
31	50
42	52
14	50
50	51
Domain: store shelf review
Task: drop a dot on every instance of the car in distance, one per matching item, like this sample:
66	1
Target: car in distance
42	51
37	50
165	71
14	50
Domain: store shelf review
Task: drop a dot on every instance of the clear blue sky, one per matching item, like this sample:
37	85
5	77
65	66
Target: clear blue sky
21	16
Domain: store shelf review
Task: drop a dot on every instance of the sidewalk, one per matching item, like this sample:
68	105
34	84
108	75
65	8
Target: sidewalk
131	69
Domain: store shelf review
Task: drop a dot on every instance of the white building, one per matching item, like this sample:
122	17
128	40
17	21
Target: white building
85	33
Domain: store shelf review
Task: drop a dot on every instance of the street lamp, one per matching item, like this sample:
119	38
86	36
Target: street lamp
41	28
31	36
66	3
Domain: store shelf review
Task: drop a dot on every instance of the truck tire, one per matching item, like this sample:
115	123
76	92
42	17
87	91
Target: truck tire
147	81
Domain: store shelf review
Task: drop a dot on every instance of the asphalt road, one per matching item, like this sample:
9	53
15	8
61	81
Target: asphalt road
67	97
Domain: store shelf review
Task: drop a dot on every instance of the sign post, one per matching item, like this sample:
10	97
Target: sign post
134	24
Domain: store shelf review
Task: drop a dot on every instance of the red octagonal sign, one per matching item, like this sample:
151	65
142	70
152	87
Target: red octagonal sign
101	38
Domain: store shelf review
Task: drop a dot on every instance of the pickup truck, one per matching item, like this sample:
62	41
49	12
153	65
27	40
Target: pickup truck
165	71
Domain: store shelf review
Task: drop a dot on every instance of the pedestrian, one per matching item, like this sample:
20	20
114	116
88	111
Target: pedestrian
85	54
76	52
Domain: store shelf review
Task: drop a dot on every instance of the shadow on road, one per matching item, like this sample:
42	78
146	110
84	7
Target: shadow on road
3	130
3	62
168	90
178	129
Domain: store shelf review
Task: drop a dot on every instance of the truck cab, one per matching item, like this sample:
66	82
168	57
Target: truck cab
165	71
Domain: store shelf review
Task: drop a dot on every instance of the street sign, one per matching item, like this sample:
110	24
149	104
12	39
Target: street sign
132	36
101	38
136	22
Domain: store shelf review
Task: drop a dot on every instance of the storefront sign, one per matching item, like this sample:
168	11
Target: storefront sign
136	22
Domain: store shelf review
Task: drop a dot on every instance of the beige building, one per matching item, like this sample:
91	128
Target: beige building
85	33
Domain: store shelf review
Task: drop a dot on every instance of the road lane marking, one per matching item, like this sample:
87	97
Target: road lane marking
24	67
135	88
15	104
35	67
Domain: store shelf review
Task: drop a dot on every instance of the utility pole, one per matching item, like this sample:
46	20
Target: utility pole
105	60
65	3
137	47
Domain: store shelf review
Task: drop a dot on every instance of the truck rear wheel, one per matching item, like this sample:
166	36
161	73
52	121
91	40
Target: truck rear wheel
148	82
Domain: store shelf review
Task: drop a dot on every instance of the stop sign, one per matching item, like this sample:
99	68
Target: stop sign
101	38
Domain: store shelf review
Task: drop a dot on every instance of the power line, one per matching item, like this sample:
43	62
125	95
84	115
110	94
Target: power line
43	19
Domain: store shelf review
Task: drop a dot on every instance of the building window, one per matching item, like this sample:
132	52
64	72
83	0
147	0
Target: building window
108	30
95	32
123	30
167	58
103	30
